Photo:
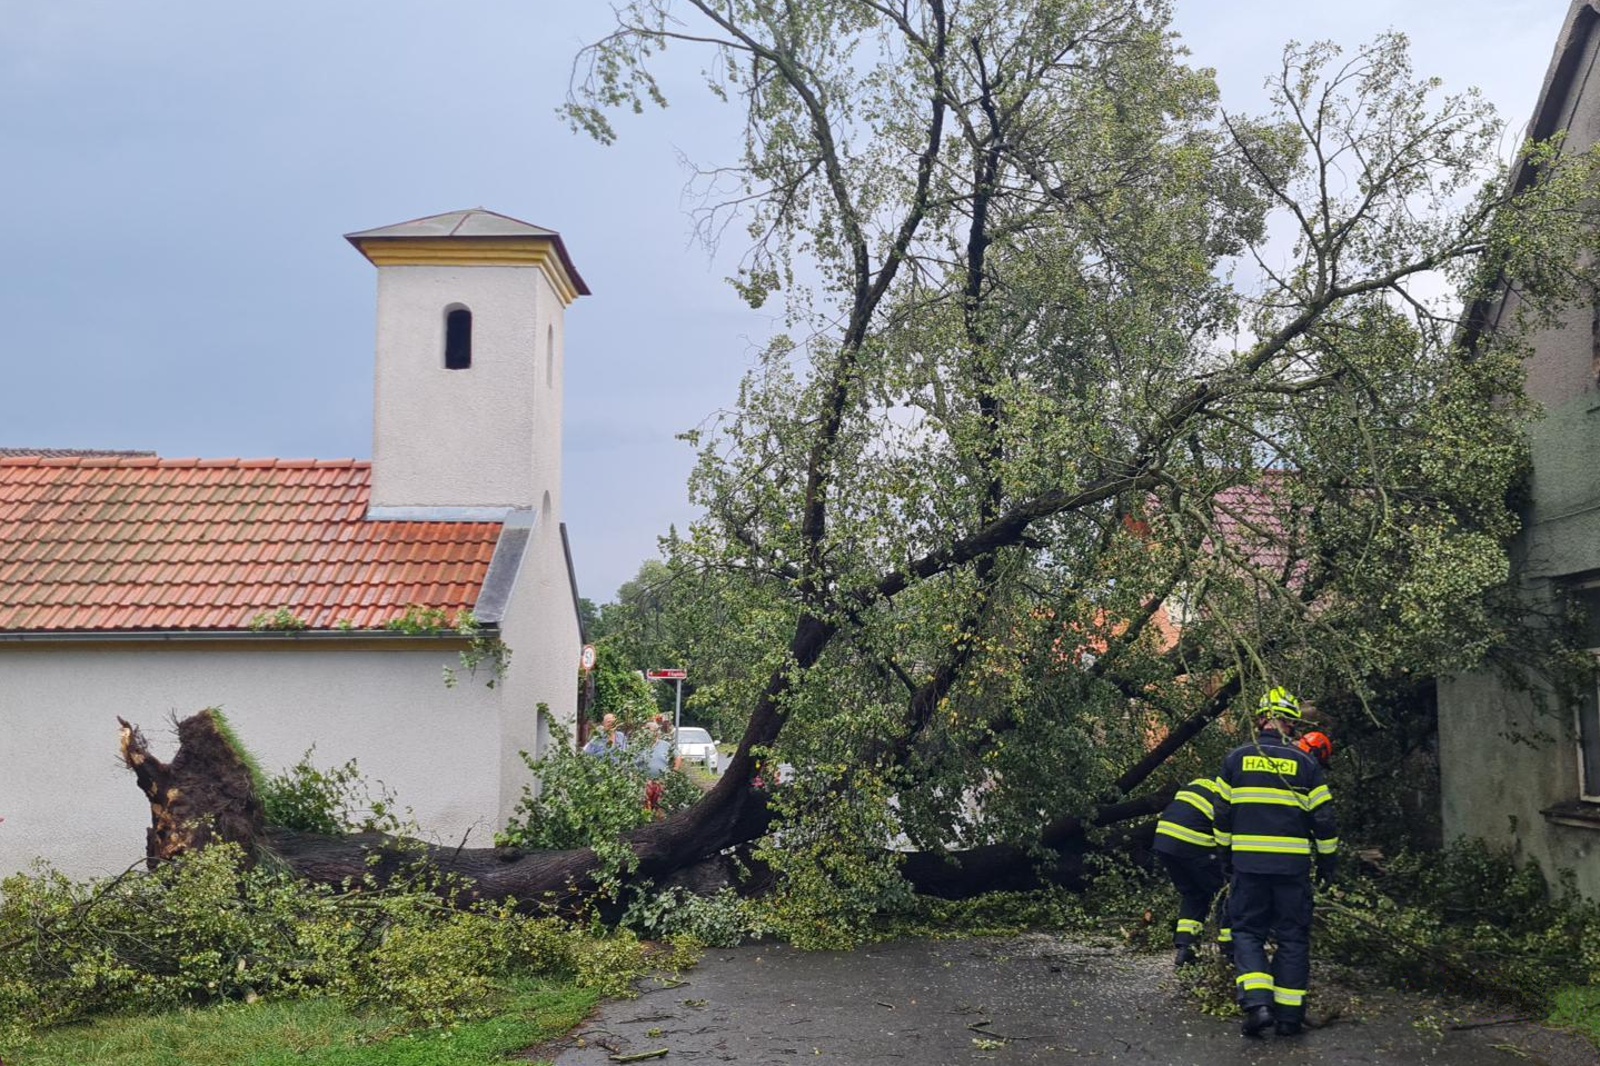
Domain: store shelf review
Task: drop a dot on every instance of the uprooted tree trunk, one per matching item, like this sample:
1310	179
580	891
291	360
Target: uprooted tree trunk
206	795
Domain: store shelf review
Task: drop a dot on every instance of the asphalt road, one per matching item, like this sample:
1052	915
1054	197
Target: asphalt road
1029	999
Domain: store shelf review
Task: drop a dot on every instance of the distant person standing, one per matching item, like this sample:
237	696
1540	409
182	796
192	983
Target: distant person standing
655	755
1187	846
609	741
1275	817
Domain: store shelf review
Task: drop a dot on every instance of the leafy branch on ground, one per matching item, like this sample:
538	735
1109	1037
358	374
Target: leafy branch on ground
210	928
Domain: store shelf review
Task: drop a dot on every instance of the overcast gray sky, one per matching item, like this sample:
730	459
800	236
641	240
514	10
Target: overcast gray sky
177	175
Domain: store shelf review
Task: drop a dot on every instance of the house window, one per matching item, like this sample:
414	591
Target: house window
1583	593
1589	742
458	339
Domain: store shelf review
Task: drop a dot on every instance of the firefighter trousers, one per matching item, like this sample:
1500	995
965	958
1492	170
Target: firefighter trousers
1276	907
1198	881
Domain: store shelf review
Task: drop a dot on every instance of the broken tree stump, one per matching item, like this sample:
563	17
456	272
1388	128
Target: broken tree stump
206	794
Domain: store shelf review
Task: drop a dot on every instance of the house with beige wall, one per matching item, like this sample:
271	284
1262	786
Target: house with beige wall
288	592
1520	769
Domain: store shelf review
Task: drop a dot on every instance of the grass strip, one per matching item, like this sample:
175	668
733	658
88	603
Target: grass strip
311	1032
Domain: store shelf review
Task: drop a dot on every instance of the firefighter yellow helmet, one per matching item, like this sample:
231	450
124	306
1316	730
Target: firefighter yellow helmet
1279	702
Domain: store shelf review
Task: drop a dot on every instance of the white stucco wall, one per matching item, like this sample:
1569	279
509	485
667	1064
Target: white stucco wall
1502	762
66	797
541	629
488	436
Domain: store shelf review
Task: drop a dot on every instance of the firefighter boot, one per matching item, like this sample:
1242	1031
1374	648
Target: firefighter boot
1289	1027
1185	957
1257	1020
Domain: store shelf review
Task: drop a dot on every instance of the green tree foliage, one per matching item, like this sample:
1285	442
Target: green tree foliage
619	688
589	618
718	624
1075	352
835	879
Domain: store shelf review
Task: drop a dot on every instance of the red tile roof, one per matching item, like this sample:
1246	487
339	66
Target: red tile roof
67	453
212	544
1259	522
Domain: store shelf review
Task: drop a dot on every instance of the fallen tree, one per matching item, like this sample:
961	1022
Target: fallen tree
1067	445
206	794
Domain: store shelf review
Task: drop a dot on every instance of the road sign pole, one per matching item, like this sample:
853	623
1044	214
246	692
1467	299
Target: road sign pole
677	716
677	676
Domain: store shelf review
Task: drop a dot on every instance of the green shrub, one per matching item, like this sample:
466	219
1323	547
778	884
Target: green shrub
196	931
610	965
438	966
1134	902
209	928
588	801
1578	1008
1466	920
331	801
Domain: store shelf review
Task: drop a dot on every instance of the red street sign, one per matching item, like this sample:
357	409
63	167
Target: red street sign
666	675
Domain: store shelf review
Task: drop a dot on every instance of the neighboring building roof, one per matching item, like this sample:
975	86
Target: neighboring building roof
138	544
70	453
1257	522
1563	82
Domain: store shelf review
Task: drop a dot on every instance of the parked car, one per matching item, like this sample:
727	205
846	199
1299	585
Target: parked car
696	745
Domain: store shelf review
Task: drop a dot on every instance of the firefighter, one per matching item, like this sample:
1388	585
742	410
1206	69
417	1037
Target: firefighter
1319	746
1274	814
1186	843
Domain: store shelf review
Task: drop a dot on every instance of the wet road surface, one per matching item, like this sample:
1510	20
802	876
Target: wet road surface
1028	999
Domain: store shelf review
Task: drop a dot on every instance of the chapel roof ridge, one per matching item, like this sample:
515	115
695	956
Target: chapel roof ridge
467	222
150	459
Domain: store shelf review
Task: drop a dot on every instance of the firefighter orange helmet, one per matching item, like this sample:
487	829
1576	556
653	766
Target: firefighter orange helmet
1318	744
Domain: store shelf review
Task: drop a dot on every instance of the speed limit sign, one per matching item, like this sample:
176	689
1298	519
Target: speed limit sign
586	660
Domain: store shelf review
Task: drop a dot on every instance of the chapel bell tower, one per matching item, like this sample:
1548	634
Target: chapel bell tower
467	410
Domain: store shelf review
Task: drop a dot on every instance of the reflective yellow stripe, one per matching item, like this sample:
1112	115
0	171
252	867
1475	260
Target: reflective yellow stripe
1199	803
1190	925
1282	797
1288	997
1223	839
1224	936
1185	834
1273	845
1328	847
1317	797
1253	982
1224	789
1207	783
